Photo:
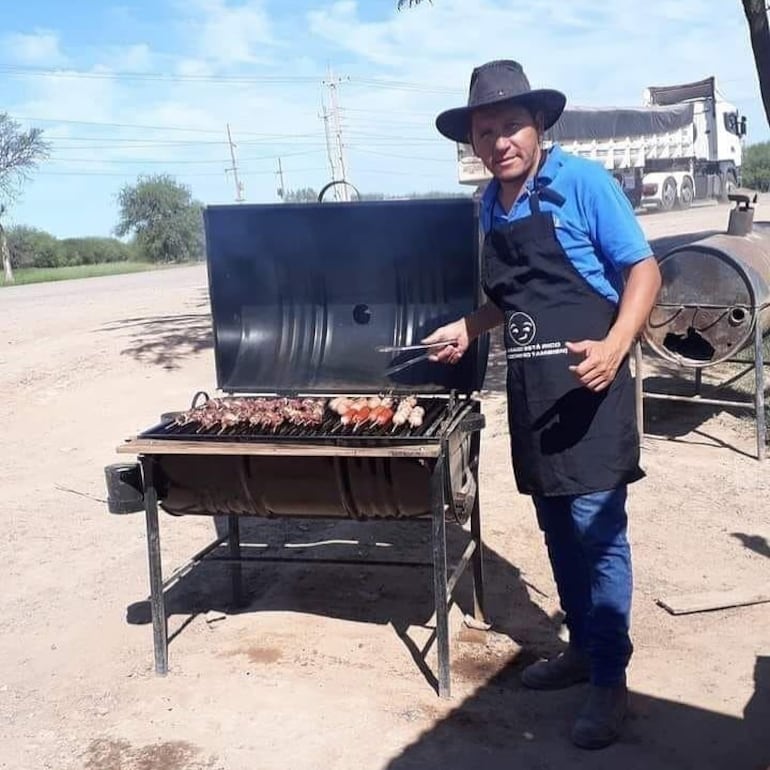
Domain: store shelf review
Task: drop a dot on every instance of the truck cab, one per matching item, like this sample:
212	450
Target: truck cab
709	166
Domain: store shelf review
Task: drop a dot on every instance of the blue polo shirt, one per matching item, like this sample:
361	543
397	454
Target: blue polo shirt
595	225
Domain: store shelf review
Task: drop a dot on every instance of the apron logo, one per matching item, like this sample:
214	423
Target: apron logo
521	329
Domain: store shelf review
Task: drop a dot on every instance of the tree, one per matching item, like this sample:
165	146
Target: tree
20	152
94	250
165	219
755	171
301	195
31	247
759	33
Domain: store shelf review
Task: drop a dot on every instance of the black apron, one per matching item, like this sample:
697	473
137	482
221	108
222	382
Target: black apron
565	438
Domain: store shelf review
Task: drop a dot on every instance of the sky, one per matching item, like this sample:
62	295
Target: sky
123	90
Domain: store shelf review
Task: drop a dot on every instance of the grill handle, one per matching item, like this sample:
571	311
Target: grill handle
472	423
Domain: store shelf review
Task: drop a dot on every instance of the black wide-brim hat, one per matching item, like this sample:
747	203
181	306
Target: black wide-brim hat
500	82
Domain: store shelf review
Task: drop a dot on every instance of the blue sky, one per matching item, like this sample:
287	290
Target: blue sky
124	89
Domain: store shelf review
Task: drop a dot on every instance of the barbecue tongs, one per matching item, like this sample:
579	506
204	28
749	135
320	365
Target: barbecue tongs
428	348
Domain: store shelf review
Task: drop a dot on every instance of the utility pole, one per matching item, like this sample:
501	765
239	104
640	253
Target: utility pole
329	153
234	168
281	187
341	191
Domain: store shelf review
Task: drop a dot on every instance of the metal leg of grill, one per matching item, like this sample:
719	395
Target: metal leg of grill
234	550
479	611
157	600
759	398
440	579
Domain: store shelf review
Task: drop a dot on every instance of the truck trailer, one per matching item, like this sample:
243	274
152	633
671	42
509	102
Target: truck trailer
683	144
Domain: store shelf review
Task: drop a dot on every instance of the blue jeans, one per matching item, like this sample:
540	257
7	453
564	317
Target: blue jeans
591	561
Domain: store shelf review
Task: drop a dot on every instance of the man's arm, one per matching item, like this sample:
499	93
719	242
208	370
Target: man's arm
642	286
617	235
603	357
464	331
486	318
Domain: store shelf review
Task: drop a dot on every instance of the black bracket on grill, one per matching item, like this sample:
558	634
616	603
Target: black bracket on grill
472	423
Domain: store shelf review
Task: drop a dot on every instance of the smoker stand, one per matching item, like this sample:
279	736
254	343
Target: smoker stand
443	505
757	405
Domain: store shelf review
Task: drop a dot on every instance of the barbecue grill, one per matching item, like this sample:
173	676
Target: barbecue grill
303	299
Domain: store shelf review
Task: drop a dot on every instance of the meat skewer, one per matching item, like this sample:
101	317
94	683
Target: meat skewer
272	414
258	412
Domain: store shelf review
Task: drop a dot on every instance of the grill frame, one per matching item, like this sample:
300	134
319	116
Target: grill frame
299	336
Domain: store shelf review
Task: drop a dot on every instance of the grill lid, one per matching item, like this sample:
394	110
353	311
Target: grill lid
303	294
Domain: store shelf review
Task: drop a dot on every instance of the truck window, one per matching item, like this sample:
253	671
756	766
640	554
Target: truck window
731	122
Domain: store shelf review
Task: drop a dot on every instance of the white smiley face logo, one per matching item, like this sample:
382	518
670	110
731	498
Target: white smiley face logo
521	329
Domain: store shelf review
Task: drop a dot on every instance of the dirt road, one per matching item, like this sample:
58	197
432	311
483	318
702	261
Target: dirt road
319	671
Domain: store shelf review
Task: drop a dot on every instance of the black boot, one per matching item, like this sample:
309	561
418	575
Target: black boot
570	667
599	722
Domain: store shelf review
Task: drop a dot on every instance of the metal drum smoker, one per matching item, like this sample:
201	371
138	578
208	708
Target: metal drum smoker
715	303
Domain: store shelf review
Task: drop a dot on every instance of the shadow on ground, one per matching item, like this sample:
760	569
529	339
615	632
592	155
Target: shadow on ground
503	726
396	595
500	725
166	340
755	543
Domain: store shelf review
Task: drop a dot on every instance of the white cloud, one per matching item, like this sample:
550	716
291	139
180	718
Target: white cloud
599	52
66	95
137	57
38	48
229	34
190	67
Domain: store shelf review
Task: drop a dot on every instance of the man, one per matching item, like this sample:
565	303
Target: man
560	238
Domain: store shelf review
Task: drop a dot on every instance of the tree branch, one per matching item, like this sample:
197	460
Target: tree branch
759	31
20	152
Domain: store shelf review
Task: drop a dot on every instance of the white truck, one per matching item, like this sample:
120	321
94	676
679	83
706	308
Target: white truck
683	144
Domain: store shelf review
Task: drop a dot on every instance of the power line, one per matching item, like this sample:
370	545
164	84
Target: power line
386	112
398	85
399	155
143	127
27	71
175	161
245	172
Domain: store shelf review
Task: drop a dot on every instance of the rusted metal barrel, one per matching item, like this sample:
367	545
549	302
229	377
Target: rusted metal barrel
715	291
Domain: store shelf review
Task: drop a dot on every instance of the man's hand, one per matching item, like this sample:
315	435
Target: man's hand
457	339
601	361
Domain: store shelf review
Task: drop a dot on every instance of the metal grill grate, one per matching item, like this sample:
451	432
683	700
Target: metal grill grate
437	413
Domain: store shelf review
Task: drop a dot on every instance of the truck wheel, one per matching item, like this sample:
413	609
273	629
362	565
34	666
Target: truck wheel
728	186
686	194
668	194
